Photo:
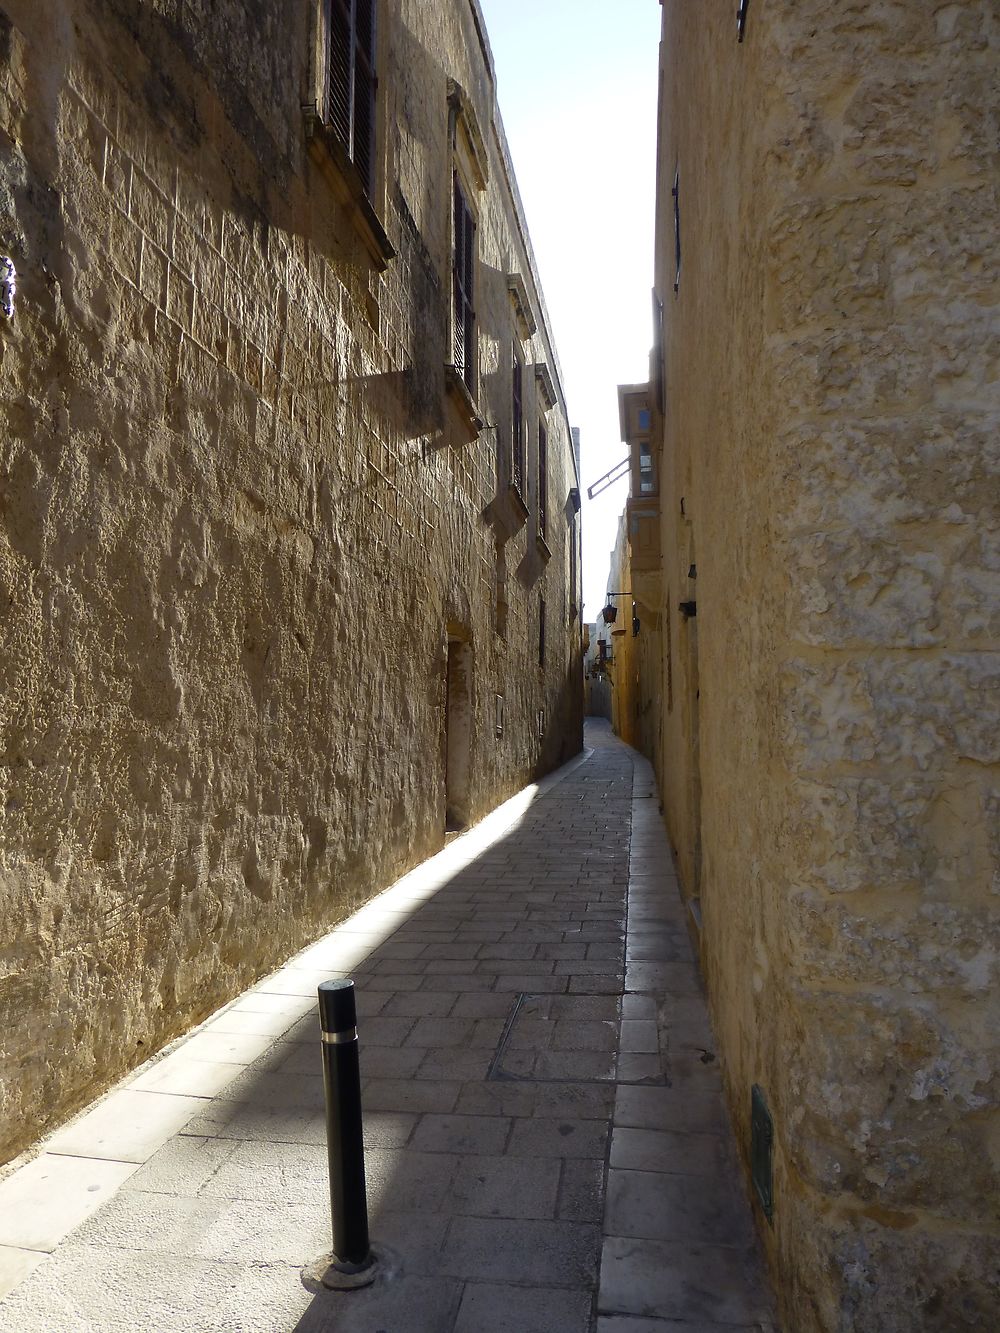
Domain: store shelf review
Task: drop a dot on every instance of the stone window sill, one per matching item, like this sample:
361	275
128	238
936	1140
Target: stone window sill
327	152
517	507
465	404
543	547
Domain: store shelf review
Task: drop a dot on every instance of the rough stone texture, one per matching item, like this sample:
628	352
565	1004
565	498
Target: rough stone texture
829	756
487	1219
240	516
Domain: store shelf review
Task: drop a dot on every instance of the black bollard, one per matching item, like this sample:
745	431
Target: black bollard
352	1262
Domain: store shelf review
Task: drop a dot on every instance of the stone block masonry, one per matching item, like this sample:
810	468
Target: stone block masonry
829	753
240	515
488	1176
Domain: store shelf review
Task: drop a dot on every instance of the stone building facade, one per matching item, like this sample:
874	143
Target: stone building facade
826	424
289	530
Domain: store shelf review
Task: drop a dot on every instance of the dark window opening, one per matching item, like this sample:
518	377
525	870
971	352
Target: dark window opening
517	429
463	278
543	479
572	567
351	83
647	474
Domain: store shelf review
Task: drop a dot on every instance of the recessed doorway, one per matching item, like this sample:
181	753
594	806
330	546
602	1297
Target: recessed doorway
458	734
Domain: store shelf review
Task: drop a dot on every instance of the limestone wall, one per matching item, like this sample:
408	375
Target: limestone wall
830	752
240	515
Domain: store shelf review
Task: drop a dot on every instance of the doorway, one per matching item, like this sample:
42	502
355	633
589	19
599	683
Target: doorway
458	733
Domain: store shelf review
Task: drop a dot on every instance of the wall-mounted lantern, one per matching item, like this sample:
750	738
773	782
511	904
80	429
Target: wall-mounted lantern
610	612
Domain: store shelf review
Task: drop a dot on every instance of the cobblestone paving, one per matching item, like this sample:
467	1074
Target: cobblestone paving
546	1144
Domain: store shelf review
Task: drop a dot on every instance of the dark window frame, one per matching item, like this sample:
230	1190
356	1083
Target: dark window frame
351	87
463	275
543	479
572	571
517	451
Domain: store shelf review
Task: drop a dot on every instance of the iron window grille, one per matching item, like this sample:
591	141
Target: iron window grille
463	279
351	82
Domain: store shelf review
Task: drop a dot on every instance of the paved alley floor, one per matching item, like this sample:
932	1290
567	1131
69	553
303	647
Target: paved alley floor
547	1149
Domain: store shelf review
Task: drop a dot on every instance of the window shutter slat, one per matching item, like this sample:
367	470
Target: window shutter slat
458	273
517	442
364	27
351	82
543	478
364	123
338	95
469	276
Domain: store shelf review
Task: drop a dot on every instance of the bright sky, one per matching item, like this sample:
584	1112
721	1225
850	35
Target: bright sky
577	85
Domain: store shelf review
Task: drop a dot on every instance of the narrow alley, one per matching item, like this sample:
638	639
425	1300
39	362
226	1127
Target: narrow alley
547	1147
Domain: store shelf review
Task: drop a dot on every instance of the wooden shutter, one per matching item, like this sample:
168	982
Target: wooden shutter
363	146
543	478
350	94
517	430
339	62
463	276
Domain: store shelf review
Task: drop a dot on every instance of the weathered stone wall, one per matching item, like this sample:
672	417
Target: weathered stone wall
636	676
624	685
830	756
240	516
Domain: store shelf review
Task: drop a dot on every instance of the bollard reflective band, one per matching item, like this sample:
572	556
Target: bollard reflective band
338	1038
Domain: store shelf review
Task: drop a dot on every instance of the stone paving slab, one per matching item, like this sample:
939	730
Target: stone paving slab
546	1148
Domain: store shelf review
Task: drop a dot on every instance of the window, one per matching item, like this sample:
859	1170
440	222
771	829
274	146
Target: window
571	569
543	479
350	83
541	631
647	473
463	279
517	425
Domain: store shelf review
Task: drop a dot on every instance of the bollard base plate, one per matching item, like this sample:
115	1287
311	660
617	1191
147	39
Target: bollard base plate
333	1274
